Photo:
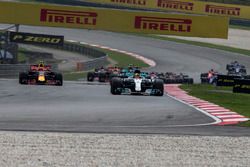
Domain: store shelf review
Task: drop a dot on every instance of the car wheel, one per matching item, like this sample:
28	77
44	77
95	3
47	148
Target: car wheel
59	79
159	86
102	77
90	76
23	78
115	85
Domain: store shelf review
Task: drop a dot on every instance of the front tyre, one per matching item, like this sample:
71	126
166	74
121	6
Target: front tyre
23	78
159	87
115	86
90	76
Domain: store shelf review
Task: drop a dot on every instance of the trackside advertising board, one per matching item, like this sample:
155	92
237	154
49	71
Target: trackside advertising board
187	6
113	20
41	39
241	86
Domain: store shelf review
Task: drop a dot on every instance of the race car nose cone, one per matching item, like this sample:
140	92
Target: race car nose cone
41	78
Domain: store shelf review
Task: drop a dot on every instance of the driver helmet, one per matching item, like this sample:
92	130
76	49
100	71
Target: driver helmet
41	64
137	75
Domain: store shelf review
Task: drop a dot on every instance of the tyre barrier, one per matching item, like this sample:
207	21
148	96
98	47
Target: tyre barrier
226	80
241	86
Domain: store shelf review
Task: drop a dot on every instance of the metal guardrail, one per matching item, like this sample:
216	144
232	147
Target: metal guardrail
80	48
95	63
100	59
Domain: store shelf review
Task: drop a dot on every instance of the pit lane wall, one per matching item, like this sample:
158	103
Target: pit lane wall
186	6
113	20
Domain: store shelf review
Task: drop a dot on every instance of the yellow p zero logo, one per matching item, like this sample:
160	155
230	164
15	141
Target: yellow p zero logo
245	86
29	38
16	37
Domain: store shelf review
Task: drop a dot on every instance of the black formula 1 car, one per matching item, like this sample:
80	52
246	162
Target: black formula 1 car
41	75
207	78
103	74
172	78
137	86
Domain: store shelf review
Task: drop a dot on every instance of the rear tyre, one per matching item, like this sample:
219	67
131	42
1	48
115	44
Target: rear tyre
204	78
23	78
90	76
159	86
115	86
102	77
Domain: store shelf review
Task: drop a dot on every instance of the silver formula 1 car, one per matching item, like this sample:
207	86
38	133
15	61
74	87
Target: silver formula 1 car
137	85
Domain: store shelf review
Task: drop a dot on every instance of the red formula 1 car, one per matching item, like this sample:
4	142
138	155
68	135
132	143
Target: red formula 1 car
41	75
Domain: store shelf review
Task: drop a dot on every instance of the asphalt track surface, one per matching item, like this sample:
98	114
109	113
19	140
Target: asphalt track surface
78	107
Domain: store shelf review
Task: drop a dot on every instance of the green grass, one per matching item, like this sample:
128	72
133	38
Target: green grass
123	60
73	76
21	57
203	44
223	96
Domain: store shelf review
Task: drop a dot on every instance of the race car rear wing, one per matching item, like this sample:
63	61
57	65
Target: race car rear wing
36	67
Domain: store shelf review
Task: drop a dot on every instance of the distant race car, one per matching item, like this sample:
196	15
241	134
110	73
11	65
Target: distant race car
236	69
137	85
103	74
172	78
41	75
209	78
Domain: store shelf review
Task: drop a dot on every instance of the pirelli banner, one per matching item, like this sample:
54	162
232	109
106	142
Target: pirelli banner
187	6
39	39
113	20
